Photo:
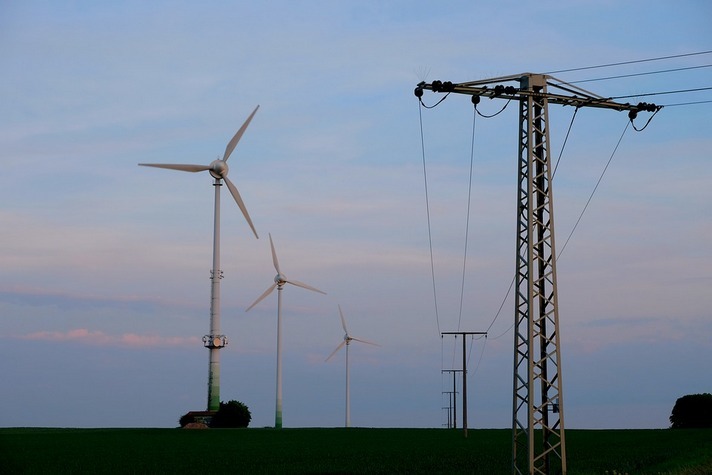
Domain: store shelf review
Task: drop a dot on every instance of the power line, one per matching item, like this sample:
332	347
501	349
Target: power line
640	74
467	219
679	91
496	113
566	139
501	306
594	191
427	209
434	105
660	58
482	352
687	103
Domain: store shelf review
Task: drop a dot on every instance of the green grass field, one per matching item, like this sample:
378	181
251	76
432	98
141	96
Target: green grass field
35	450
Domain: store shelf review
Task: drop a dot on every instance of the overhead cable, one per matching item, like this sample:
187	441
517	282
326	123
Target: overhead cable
479	359
660	58
496	113
687	103
679	91
427	209
420	99
600	178
467	218
640	74
566	139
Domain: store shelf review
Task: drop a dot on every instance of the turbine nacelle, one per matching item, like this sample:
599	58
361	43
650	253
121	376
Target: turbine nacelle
280	279
218	169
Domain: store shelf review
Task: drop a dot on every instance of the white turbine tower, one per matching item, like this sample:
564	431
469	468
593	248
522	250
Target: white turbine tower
347	341
215	340
279	281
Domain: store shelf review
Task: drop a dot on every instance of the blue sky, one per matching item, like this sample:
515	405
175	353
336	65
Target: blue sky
104	266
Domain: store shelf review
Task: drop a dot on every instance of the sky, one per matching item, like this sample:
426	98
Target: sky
105	265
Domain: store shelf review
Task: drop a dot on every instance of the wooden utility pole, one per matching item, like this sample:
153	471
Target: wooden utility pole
464	375
454	394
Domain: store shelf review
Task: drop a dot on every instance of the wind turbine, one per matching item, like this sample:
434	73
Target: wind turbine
215	340
279	281
347	341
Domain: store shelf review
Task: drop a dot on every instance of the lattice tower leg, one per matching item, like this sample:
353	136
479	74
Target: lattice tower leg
538	398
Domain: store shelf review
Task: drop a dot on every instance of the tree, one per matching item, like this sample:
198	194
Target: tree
692	411
231	414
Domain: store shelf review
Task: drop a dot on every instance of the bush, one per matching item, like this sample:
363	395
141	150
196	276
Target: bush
231	414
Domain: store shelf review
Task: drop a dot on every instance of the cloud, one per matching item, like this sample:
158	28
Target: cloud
89	337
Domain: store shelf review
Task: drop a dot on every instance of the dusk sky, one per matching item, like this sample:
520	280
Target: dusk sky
105	265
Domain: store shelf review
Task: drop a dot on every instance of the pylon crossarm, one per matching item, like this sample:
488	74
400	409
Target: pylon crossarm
577	96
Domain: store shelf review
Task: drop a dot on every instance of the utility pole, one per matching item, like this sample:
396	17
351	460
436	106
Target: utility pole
464	375
449	408
454	394
537	392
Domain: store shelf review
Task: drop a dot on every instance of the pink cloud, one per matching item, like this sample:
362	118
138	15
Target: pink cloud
83	335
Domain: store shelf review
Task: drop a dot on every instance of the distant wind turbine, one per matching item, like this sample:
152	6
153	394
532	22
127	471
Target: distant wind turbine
347	341
279	281
215	341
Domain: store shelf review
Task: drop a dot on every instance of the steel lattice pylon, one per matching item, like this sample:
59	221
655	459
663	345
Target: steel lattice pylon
538	398
538	442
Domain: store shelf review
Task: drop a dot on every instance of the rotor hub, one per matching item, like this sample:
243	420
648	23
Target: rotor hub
218	169
280	280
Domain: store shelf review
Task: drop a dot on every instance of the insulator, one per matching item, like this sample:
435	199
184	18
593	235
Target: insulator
475	100
498	90
448	87
632	114
510	90
436	86
418	92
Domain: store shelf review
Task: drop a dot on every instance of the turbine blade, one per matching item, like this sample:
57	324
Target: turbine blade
274	255
334	352
261	297
177	166
305	286
240	203
343	320
231	145
365	341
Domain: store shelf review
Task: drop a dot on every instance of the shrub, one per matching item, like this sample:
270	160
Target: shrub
231	414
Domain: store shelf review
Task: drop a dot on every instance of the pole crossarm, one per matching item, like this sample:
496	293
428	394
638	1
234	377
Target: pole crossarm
572	95
463	333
